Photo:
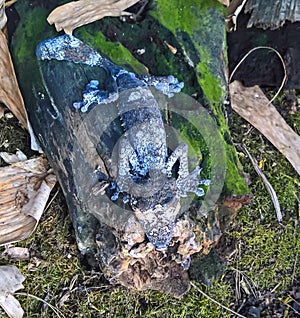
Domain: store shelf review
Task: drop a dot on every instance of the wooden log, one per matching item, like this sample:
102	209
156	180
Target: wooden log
80	147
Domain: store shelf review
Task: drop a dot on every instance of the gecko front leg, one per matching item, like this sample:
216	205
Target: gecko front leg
127	157
168	85
186	181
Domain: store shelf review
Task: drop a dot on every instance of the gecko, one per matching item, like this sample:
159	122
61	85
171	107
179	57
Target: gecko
144	167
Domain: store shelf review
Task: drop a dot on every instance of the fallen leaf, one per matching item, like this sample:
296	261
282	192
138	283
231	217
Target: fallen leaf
13	158
233	11
251	104
24	190
10	281
224	2
171	48
10	94
77	13
16	253
2	110
3	18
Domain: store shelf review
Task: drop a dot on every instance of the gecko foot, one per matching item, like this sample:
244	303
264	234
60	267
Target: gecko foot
168	85
93	95
191	182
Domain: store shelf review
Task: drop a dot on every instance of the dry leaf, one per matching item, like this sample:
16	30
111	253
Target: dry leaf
24	190
225	2
10	280
233	11
2	110
13	158
251	104
10	94
3	18
16	253
77	13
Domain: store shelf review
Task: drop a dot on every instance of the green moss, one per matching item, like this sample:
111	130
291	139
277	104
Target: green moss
269	250
209	83
181	15
115	51
12	136
27	36
269	253
234	180
189	22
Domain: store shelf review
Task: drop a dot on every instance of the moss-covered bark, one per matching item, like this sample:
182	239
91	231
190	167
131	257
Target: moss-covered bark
197	31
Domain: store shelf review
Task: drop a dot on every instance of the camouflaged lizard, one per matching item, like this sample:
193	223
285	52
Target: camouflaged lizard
144	168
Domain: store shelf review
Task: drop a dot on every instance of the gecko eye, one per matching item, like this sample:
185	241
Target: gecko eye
168	199
154	233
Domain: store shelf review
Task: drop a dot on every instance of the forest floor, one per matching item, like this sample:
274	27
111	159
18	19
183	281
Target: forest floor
262	273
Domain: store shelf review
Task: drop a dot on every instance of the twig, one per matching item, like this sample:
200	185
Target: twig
52	199
282	62
215	301
9	3
267	184
294	268
56	310
248	281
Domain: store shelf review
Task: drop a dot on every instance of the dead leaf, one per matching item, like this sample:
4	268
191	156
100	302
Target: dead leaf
16	253
3	18
77	13
10	281
2	110
10	94
13	158
224	2
24	190
233	11
251	104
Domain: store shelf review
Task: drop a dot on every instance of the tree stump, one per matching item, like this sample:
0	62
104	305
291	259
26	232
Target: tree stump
80	147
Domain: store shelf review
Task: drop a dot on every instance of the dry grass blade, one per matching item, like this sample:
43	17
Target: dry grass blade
216	302
77	13
24	190
10	94
267	184
249	284
281	60
57	312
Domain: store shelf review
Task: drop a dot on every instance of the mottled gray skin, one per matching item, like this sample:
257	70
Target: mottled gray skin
144	169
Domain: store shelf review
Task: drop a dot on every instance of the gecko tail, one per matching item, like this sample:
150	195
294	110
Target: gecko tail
69	48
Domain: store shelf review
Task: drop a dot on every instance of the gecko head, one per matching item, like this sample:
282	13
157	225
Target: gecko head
157	214
158	220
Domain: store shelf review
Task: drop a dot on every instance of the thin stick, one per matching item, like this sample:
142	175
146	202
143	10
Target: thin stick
10	3
267	184
282	62
248	280
56	310
52	199
216	302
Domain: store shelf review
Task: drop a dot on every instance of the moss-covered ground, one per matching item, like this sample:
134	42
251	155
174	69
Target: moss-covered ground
262	265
